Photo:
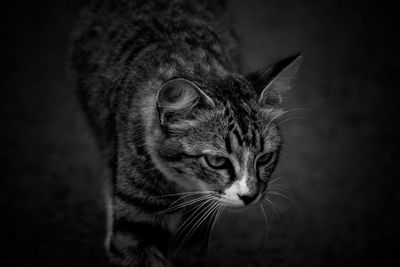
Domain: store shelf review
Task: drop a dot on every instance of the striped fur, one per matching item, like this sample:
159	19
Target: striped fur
124	55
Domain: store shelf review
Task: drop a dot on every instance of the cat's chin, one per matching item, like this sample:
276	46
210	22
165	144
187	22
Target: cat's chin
234	206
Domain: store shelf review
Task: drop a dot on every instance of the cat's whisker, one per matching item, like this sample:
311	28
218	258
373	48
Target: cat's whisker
278	186
189	201
212	223
277	193
189	210
219	214
295	109
277	179
281	195
281	187
273	206
174	206
184	193
190	220
283	145
273	119
285	112
202	219
192	217
288	119
184	204
210	210
267	227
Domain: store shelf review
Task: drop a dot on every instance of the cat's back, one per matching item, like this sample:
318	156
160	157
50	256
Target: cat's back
119	47
116	31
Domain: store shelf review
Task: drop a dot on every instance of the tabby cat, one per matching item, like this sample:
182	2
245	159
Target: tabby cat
184	133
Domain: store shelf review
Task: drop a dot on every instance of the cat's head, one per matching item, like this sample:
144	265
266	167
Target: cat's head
221	136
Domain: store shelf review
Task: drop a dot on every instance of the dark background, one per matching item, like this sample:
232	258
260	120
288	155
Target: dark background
340	160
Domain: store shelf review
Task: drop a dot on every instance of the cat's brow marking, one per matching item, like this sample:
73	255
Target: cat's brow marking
228	144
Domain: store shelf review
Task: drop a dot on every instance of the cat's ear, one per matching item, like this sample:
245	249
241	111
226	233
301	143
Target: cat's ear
178	97
273	82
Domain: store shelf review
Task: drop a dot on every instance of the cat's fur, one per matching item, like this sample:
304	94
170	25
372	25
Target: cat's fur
159	82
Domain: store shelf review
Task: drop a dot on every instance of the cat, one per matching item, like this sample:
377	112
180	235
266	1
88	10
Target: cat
185	134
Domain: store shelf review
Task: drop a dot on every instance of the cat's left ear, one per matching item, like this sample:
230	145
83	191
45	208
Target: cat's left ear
273	82
177	99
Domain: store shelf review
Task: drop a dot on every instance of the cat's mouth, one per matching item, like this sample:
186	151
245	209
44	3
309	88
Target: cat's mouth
240	201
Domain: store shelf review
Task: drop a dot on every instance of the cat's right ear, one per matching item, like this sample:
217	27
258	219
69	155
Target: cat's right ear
273	82
177	98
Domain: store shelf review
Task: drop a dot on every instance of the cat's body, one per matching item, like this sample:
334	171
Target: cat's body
159	83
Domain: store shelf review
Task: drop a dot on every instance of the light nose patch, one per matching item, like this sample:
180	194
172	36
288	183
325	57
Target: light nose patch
239	187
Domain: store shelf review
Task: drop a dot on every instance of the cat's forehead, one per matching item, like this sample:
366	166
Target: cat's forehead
249	128
234	89
236	97
238	121
237	129
238	101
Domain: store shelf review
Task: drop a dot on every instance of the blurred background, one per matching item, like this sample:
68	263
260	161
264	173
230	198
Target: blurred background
340	160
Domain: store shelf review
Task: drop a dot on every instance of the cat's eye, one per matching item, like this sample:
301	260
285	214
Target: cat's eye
266	159
216	162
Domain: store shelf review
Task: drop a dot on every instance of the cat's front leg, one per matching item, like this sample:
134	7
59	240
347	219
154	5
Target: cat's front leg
126	249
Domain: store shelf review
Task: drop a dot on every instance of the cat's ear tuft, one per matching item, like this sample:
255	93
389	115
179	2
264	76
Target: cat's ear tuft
273	82
178	97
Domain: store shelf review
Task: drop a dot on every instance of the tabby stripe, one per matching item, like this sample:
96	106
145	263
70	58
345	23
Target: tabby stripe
144	185
253	139
145	37
247	139
173	157
141	203
139	145
127	250
244	127
262	141
231	173
228	144
138	139
116	251
239	139
128	44
145	232
134	38
217	58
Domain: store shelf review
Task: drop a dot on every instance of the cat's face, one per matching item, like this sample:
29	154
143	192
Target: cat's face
222	140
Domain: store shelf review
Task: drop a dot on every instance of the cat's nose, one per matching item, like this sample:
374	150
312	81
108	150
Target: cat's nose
248	199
